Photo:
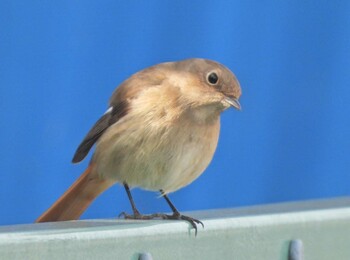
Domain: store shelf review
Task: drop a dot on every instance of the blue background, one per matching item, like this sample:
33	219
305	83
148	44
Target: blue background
60	62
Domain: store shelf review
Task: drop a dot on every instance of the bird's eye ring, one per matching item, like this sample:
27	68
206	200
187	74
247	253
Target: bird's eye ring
212	78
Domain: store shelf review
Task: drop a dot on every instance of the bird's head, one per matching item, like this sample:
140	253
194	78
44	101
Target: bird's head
207	87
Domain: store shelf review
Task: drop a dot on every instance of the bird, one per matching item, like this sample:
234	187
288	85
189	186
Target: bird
159	134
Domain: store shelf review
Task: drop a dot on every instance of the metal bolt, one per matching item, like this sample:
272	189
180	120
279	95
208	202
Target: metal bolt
296	250
145	256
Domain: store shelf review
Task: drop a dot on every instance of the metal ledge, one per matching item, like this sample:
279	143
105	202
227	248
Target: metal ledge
322	230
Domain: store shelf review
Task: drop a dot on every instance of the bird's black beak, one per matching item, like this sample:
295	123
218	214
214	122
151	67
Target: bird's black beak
233	102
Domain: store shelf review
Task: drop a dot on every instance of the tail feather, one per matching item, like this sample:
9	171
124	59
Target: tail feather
76	199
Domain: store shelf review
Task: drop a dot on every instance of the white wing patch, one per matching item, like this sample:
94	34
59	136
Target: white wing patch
108	110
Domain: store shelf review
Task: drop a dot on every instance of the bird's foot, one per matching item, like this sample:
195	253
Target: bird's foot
178	216
175	216
137	216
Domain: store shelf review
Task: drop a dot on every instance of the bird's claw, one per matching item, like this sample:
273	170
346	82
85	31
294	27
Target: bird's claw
192	221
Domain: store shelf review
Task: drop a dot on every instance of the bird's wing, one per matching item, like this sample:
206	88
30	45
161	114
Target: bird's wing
119	105
113	115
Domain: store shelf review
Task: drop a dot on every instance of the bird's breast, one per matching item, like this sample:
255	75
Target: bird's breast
156	154
162	143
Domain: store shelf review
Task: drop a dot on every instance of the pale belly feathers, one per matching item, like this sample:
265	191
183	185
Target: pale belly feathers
155	157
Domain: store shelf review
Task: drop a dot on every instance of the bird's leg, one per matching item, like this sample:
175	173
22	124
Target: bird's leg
134	209
136	214
177	216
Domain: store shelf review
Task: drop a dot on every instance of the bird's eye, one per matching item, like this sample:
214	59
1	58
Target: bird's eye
213	78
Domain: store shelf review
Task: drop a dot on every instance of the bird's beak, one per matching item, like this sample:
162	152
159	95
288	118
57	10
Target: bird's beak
233	102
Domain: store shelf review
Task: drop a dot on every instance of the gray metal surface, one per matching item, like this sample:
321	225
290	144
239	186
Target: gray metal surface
261	232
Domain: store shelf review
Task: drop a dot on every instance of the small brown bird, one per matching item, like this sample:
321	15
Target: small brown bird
160	133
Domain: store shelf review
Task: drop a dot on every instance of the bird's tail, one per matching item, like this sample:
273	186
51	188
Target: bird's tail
76	199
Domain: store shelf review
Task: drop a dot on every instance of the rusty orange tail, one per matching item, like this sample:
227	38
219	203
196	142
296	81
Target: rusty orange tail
76	199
